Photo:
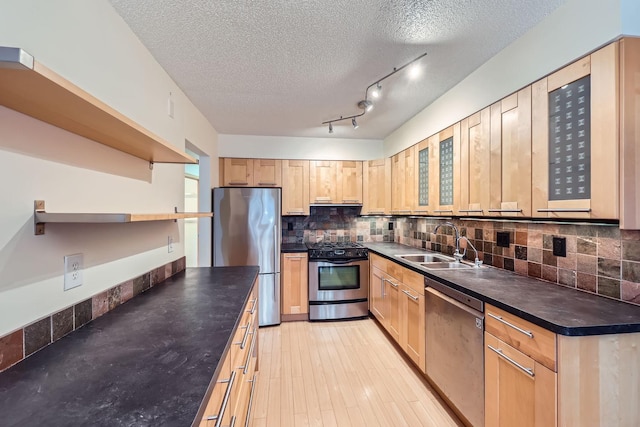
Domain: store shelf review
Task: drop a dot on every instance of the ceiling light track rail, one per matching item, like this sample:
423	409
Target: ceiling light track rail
366	105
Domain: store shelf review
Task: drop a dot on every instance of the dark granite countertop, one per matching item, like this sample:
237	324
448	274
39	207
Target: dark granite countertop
563	310
293	247
148	362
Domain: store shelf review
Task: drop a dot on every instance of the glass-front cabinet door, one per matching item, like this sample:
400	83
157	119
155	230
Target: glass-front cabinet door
575	139
444	172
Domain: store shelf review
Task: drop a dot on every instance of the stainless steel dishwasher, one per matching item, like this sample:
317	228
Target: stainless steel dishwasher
455	353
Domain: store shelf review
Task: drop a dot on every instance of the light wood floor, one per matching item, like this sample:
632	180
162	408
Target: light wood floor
340	374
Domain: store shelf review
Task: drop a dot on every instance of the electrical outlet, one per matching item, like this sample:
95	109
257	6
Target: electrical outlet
560	246
502	239
170	243
72	271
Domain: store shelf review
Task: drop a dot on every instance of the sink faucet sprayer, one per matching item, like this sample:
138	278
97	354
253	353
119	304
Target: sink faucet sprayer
457	255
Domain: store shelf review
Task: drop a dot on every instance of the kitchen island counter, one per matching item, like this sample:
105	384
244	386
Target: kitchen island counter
149	362
560	309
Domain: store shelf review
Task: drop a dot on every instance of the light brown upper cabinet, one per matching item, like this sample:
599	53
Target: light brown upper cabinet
422	159
236	172
376	187
475	164
335	182
403	182
630	133
267	173
323	181
575	139
349	179
444	171
510	165
295	187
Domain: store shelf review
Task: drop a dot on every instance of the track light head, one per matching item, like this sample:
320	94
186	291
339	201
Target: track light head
354	123
330	127
376	91
366	105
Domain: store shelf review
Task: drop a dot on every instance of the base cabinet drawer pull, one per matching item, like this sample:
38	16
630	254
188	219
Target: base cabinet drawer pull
587	210
471	210
395	285
266	183
253	387
245	368
295	212
253	307
233	421
407	293
501	320
247	329
524	369
506	210
225	401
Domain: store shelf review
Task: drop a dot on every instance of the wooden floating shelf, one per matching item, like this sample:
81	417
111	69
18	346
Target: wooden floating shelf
32	89
41	217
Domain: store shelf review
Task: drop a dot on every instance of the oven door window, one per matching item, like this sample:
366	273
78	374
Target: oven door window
335	278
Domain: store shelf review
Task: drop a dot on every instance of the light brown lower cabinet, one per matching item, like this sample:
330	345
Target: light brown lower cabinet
295	286
397	301
232	396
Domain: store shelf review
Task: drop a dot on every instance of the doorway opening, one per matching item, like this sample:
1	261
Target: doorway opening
191	185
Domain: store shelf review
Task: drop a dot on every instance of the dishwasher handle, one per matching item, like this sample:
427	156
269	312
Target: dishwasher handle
459	297
478	314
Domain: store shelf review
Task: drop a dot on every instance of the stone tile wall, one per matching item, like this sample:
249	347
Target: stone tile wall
24	342
600	259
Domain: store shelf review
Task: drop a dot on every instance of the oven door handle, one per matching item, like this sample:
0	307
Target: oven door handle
334	261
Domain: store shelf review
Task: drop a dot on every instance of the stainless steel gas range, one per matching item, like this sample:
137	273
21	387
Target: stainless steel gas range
338	281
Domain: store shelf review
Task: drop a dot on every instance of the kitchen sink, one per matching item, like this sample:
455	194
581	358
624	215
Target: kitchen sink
445	265
425	258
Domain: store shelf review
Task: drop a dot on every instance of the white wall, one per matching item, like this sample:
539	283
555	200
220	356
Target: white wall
280	147
573	30
90	45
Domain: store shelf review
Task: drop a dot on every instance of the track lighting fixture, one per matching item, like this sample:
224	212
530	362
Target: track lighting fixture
376	91
366	105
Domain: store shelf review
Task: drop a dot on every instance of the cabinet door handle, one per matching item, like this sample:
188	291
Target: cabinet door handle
395	285
407	293
267	183
295	212
238	183
376	213
470	210
506	210
421	211
401	211
245	367
225	401
350	201
443	210
524	369
253	307
243	343
566	210
294	256
253	388
323	199
501	320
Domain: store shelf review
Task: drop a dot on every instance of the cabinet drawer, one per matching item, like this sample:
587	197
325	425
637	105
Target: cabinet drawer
378	262
413	280
221	403
395	270
532	340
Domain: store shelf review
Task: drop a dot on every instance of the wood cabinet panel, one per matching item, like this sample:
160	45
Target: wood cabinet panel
532	340
444	170
510	170
630	133
392	294
323	182
598	177
349	182
295	187
376	187
513	396
237	172
412	336
475	164
377	302
403	193
295	284
267	173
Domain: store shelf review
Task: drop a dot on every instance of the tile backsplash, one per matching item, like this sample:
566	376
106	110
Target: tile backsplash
22	343
601	259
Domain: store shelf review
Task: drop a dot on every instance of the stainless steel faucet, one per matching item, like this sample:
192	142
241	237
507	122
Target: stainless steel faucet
477	262
456	255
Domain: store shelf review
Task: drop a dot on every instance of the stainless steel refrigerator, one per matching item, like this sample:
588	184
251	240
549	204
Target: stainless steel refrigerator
246	231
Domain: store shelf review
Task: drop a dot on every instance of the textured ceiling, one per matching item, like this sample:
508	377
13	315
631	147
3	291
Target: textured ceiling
282	67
